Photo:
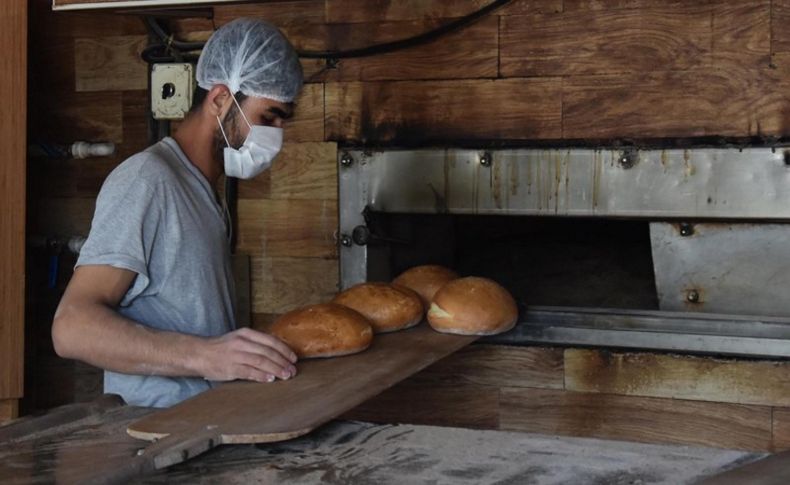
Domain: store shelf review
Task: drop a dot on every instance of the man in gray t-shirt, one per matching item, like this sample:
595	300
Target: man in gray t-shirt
151	300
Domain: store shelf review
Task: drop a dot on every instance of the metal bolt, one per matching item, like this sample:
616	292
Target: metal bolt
485	159
628	158
346	160
345	240
686	229
692	296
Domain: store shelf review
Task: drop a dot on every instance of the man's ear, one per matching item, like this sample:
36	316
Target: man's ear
218	101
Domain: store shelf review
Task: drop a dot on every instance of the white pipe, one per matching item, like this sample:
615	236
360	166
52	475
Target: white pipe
83	149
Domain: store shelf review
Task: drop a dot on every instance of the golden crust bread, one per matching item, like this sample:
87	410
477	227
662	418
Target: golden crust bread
426	280
323	330
388	307
473	306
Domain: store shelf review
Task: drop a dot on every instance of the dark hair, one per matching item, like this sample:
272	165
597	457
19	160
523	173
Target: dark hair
200	95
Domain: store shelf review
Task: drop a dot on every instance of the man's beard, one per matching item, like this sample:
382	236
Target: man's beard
231	126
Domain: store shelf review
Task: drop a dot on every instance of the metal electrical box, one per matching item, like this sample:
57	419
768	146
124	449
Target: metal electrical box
172	86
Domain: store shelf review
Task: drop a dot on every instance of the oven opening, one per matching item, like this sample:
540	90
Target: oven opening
559	262
680	250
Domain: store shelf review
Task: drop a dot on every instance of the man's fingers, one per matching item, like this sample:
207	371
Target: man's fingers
250	373
268	353
265	364
269	341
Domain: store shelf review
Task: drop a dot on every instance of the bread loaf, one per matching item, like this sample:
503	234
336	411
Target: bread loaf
426	280
472	306
323	330
388	307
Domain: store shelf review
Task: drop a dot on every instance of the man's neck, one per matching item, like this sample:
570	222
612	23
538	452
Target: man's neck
196	140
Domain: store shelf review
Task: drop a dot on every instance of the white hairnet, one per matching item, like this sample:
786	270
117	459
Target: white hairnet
253	57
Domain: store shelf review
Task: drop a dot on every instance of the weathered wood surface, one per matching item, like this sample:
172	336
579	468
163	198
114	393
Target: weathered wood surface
606	41
678	377
246	412
415	112
13	199
636	418
288	228
284	284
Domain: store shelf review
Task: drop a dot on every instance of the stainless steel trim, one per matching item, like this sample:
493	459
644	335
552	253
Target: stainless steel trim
694	183
652	330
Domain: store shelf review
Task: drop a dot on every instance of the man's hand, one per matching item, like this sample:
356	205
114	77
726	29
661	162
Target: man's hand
245	354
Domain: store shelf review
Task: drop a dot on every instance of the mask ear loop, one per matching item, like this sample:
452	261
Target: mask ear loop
223	131
241	111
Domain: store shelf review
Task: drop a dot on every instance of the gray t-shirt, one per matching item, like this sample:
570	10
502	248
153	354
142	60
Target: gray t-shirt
157	215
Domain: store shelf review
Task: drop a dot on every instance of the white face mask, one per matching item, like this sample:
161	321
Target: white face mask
261	146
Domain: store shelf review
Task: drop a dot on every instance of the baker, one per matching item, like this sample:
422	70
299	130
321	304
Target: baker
151	300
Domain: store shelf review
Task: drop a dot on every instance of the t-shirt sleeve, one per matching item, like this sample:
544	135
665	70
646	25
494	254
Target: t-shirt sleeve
125	223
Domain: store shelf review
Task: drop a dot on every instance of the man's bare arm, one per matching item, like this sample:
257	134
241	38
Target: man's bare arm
87	327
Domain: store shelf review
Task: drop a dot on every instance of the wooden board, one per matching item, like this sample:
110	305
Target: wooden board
13	126
642	419
282	284
417	112
288	228
605	41
301	171
678	377
9	409
110	63
247	412
468	53
344	11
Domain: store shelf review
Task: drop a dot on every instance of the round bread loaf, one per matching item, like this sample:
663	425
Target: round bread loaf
323	330
472	306
388	307
426	280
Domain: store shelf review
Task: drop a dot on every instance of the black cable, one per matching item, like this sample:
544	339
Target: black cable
169	42
423	38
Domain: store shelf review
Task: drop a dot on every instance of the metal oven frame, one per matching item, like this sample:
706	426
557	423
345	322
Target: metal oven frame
717	218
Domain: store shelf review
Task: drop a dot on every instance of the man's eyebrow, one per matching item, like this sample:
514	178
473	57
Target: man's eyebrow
281	113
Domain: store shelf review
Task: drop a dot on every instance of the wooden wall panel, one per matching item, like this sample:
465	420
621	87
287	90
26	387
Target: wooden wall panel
781	429
639	419
470	53
678	377
9	409
110	63
597	5
780	16
610	41
63	216
742	34
290	228
82	116
345	11
308	171
308	121
418	112
280	285
437	405
13	166
498	366
278	13
727	102
301	171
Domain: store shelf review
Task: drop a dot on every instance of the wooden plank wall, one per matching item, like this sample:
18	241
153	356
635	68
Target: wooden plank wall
13	80
535	70
645	397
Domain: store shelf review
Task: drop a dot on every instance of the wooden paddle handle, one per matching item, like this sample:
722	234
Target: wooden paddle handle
161	454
